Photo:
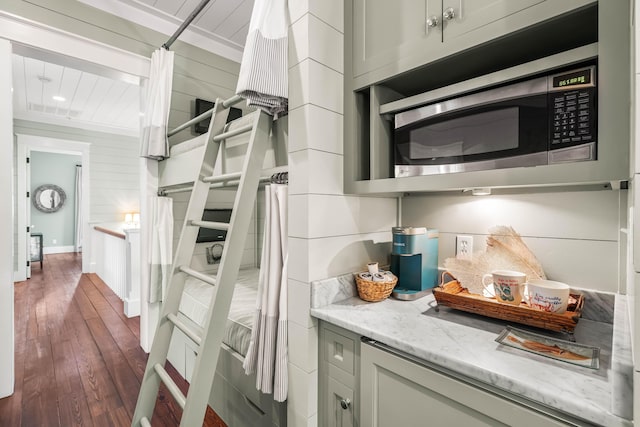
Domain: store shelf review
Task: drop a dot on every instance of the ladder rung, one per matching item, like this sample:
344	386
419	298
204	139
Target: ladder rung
200	276
184	328
171	386
144	422
211	225
223	178
232	133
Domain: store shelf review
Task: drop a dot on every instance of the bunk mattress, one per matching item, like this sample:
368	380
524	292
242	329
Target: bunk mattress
197	296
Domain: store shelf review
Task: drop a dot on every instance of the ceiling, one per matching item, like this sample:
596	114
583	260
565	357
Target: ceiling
221	27
57	94
97	100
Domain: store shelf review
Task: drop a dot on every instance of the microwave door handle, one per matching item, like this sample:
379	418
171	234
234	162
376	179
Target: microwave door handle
491	96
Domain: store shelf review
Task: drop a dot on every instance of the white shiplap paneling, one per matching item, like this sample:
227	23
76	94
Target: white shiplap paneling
575	235
114	170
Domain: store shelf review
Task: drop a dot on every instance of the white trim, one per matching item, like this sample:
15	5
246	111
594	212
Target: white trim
34	34
58	249
167	24
131	307
42	143
21	190
7	357
42	118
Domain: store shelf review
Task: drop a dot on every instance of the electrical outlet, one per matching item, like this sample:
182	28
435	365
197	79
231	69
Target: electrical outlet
464	247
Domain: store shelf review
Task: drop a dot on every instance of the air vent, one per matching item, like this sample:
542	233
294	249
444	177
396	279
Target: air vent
48	109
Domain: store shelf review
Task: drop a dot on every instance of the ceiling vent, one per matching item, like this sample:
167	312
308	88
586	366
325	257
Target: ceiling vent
56	111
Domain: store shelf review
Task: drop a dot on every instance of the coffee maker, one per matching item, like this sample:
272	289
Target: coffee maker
414	260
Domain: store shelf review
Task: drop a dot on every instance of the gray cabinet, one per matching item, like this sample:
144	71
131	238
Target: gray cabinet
395	391
403	34
395	58
339	364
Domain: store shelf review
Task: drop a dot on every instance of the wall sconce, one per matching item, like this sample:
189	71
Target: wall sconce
132	219
481	191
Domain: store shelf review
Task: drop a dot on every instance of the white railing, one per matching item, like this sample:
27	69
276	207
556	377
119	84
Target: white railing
116	260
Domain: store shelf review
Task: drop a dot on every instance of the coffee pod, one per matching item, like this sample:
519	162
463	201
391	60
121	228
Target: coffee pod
372	267
366	276
380	277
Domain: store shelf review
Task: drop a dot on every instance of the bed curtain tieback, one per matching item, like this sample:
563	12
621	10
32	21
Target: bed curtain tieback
263	78
267	354
154	143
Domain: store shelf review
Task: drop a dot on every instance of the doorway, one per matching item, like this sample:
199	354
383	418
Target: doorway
52	151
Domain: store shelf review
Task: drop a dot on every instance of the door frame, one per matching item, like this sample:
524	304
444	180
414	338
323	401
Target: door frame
26	144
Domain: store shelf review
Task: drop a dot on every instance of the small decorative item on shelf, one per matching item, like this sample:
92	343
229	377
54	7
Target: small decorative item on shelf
375	287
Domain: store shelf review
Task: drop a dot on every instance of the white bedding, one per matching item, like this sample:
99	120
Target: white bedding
197	296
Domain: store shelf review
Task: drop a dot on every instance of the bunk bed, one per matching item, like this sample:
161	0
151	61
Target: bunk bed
233	396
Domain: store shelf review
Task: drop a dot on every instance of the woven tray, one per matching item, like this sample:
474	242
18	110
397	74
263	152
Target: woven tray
374	291
451	294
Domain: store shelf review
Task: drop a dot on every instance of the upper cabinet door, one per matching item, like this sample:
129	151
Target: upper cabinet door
461	17
385	31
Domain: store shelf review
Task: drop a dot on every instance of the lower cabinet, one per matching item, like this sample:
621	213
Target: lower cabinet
338	379
395	391
339	404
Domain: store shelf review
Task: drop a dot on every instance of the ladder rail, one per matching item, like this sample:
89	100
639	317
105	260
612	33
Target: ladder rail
195	403
207	358
175	287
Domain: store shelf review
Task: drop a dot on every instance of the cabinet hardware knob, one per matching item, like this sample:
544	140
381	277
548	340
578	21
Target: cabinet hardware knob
345	403
449	14
432	21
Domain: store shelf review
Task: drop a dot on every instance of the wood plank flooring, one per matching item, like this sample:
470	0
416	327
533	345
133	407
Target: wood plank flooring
78	358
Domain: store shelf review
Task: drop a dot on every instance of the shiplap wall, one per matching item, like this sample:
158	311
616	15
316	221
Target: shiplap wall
574	234
218	199
329	233
113	166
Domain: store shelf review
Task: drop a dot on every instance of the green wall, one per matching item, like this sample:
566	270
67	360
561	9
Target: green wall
60	170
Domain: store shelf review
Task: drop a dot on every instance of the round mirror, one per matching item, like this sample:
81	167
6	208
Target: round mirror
49	198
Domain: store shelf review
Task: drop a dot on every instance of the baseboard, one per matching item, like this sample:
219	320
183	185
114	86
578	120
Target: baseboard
58	249
131	308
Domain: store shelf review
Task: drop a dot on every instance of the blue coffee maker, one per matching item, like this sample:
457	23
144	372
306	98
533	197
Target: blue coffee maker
414	260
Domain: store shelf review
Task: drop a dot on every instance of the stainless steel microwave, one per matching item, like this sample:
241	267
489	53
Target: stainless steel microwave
543	120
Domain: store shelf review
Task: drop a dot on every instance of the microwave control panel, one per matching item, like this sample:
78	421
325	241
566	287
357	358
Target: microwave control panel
573	112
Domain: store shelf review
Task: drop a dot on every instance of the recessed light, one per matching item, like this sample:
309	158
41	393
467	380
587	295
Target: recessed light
59	98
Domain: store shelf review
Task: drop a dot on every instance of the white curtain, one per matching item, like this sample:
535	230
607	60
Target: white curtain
267	354
154	143
161	247
78	212
263	78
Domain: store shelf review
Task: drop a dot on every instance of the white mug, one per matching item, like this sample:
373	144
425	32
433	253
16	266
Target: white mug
508	285
547	295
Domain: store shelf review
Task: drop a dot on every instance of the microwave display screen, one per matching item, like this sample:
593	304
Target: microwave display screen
576	78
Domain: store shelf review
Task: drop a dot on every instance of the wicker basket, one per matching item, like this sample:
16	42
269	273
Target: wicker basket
374	291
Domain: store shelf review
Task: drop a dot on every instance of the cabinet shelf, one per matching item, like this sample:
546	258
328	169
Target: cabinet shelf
372	98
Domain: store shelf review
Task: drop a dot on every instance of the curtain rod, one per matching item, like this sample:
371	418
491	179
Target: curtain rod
185	24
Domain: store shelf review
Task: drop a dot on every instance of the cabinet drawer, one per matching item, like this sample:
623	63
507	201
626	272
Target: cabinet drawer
339	351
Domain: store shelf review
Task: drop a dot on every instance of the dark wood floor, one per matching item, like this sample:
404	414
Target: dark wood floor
78	358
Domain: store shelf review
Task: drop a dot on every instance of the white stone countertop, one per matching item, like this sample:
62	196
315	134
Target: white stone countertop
465	343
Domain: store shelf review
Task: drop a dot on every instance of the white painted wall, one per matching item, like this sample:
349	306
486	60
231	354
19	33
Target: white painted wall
574	234
329	233
6	224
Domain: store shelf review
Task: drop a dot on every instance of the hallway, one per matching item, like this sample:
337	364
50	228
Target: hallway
78	358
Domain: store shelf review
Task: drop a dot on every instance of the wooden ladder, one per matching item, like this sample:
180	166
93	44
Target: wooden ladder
194	404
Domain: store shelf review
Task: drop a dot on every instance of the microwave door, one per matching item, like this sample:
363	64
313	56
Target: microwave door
503	134
521	90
